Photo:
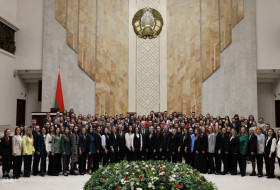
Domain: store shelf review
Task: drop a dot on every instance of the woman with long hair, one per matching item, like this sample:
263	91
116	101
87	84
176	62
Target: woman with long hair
252	149
28	151
211	149
260	150
233	151
128	143
106	146
243	149
42	149
186	146
6	153
56	152
66	150
17	151
74	149
204	147
48	142
270	148
99	149
224	150
197	149
91	151
137	144
218	150
82	151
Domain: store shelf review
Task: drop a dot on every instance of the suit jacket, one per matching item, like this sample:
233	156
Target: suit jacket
150	142
17	145
253	144
165	140
98	145
144	135
174	143
158	139
234	145
66	124
36	138
197	144
83	143
204	142
6	149
225	143
218	145
114	141
41	144
121	140
186	142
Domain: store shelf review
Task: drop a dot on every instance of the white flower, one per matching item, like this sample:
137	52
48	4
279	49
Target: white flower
126	173
122	181
150	185
161	173
171	179
138	188
156	178
173	175
132	183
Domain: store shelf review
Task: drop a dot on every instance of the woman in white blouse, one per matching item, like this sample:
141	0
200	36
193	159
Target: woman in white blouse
278	147
270	148
17	151
128	143
137	144
48	142
260	150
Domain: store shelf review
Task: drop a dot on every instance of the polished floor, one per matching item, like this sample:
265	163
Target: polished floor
61	182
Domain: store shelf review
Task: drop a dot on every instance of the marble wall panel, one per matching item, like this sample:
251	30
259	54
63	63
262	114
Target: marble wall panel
225	23
210	47
60	11
72	24
112	57
237	11
183	47
87	36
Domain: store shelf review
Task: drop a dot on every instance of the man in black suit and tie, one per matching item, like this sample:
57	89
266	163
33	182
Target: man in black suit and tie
165	143
144	132
67	122
121	134
33	125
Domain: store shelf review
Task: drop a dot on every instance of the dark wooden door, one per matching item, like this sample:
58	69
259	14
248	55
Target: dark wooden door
277	113
21	104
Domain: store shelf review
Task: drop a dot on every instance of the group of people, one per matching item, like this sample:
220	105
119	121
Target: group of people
79	144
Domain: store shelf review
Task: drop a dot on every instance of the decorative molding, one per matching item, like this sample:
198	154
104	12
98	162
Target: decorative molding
4	52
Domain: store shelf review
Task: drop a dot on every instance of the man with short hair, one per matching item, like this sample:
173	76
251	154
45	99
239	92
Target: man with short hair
36	134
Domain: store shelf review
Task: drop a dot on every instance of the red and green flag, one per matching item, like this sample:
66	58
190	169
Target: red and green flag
59	103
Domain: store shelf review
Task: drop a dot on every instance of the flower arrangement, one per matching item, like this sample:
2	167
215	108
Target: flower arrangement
141	175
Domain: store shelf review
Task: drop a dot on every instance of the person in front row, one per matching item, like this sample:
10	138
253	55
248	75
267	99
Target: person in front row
66	150
6	153
252	149
56	152
270	147
42	150
28	151
233	151
17	150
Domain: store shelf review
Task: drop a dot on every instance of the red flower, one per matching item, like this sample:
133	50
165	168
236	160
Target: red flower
201	183
189	171
104	177
126	178
179	186
161	169
118	188
140	176
163	174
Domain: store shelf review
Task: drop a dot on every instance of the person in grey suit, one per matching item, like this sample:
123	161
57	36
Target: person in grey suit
211	149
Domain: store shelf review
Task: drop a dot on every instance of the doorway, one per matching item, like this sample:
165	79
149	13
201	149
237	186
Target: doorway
21	105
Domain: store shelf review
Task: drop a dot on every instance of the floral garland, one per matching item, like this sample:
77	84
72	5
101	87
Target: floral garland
143	175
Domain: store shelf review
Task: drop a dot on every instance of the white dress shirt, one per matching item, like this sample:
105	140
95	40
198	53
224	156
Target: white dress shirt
128	140
137	135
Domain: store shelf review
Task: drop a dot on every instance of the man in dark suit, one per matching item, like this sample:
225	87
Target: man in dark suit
67	122
121	134
33	125
150	144
144	132
165	143
252	149
158	139
36	136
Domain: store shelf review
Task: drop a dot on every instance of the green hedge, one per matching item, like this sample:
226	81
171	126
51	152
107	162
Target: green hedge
143	175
